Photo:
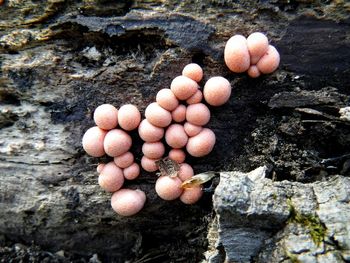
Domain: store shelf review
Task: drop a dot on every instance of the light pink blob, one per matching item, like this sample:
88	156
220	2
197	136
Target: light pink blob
117	142
201	144
153	150
168	188
217	91
198	114
132	172
185	172
111	178
191	195
191	129
193	71
270	61
177	155
124	160
93	141
100	167
157	116
253	71
236	54
129	117
149	164
150	133
106	116
195	98
183	87
179	114
127	202
257	45
175	136
166	99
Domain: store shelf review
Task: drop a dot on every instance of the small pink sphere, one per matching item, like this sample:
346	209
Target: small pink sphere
111	178
175	136
100	167
168	188
153	150
93	141
166	99
236	54
193	71
150	133
195	98
124	160
183	87
157	116
270	61
191	195
177	155
185	172
129	117
257	45
127	202
201	144
191	129
106	116
179	114
117	142
198	114
217	91
253	71
149	164
132	172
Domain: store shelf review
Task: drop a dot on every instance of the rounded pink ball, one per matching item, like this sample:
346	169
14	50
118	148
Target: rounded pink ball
201	144
217	91
270	61
168	188
132	172
153	150
149	164
195	98
198	114
179	114
193	71
124	160
177	155
236	54
253	71
127	202
150	133
111	178
191	129
129	117
157	116
185	172
183	87
106	116
93	141
100	167
166	99
191	195
175	136
257	45
117	142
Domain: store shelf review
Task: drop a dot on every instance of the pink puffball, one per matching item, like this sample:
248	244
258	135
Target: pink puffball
185	172
191	195
217	91
195	98
183	87
131	172
157	116
175	136
270	61
253	71
111	178
201	144
149	164
166	99
127	202
153	150
191	129
177	155
106	116
100	167
236	54
124	160
129	117
117	142
150	133
257	45
197	114
93	141
193	71
179	114
168	188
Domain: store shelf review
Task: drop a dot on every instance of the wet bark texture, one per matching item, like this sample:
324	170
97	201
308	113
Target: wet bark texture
60	59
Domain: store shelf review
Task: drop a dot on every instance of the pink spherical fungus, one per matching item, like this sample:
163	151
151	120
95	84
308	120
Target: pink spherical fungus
153	150
149	164
100	167
175	136
195	98
132	172
201	144
129	117
111	178
217	91
236	54
198	114
168	188
177	155
270	61
253	71
191	129
157	116
191	195
183	87
106	116
93	141
117	142
179	114
150	133
124	160
127	202
166	99
193	71
185	172
257	45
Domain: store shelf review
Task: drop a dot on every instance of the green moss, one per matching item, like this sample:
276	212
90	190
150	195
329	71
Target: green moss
312	222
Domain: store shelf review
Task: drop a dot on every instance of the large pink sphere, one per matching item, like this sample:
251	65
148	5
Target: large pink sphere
179	114
149	164
132	172
201	144
157	116
191	195
270	61
124	160
175	136
185	172
166	99
257	45
129	117
106	116
93	141
217	91
195	98
168	188
193	71
198	114
191	129
236	54
111	177
153	150
177	155
117	142
150	133
127	202
183	87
